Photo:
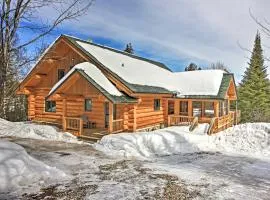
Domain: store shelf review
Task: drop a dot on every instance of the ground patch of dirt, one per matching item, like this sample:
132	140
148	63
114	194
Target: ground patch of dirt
55	192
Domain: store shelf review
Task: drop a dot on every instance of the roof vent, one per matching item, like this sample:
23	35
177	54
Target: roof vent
123	65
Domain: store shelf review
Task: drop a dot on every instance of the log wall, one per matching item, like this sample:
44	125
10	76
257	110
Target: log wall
146	115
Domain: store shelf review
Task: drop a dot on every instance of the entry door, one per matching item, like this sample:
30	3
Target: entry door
106	114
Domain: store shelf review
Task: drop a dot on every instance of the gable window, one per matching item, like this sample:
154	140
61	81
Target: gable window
61	73
88	104
184	108
156	104
50	106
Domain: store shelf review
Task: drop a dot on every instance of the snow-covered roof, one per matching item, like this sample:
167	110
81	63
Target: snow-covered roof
94	73
137	71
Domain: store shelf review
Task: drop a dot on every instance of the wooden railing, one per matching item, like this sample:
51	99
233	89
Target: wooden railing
118	125
73	124
179	120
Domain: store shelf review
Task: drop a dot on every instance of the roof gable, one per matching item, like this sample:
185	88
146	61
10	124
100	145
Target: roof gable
94	76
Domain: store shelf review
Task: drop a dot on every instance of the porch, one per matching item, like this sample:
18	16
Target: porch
220	114
85	126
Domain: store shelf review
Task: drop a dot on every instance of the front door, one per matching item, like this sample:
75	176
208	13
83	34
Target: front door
106	114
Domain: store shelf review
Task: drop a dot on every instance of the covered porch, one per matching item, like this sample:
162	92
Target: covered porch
112	120
220	114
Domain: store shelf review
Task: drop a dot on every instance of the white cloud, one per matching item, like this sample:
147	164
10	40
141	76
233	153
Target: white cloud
201	31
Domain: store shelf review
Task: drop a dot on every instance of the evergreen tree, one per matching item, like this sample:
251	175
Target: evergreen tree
254	89
192	67
129	49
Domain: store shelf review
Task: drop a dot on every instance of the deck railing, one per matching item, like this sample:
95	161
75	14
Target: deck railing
74	124
118	125
179	120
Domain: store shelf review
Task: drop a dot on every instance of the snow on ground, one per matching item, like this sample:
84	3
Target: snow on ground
34	131
251	139
18	169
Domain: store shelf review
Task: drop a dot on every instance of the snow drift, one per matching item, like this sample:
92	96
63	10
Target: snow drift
17	168
250	139
34	131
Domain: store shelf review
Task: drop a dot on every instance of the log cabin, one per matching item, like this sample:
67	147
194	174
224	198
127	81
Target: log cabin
92	90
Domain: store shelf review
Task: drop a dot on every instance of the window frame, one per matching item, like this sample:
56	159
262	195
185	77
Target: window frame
181	112
171	105
58	73
49	107
91	104
194	107
157	105
209	109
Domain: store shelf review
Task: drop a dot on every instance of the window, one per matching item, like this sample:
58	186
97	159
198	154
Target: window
220	108
61	73
184	108
156	104
197	108
88	105
170	107
209	109
50	106
114	112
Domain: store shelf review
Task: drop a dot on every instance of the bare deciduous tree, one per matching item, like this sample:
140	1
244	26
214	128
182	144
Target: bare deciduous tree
17	16
219	65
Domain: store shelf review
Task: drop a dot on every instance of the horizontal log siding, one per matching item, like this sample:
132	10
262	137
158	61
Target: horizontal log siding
75	107
38	105
146	115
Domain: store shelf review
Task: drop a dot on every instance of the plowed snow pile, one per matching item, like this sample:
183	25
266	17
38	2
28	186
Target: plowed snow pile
34	131
17	168
250	139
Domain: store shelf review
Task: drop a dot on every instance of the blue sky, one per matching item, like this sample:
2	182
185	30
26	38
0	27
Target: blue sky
175	32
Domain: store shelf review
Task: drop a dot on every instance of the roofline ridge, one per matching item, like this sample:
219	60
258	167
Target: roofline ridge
157	63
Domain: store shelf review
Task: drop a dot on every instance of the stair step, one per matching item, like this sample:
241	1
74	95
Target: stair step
89	138
99	134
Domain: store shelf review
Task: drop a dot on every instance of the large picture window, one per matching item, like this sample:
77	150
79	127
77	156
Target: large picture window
88	105
184	108
209	109
50	106
156	104
197	108
170	107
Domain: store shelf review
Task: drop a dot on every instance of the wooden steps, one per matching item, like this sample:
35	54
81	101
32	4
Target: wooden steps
93	134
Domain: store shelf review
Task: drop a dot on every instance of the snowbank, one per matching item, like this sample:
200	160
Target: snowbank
161	142
249	139
34	131
17	168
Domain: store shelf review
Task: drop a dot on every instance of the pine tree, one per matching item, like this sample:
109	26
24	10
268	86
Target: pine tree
254	89
192	67
129	49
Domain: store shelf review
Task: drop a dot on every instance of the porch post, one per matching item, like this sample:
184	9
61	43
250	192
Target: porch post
203	108
110	117
64	113
190	108
125	117
176	107
216	108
